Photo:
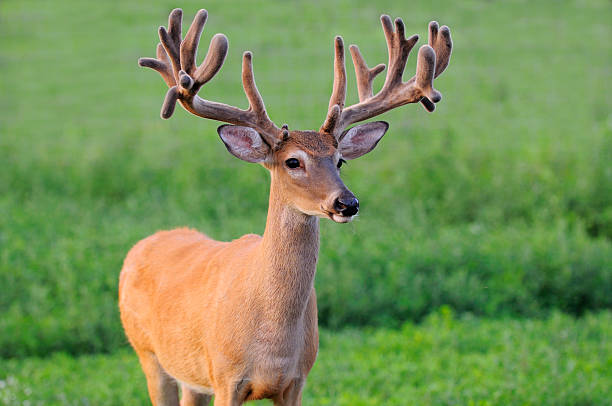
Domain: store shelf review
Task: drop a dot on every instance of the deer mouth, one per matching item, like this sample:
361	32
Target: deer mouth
338	217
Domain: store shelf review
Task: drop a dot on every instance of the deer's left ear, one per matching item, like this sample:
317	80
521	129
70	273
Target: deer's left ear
244	143
361	139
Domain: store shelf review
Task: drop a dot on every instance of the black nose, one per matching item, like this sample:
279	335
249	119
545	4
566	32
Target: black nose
347	205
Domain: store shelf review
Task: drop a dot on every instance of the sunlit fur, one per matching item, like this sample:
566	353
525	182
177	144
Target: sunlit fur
238	318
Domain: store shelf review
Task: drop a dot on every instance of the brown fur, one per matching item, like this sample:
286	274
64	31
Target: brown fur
311	142
235	317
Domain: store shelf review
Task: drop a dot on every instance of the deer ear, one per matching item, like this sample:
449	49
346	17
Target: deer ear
244	143
361	139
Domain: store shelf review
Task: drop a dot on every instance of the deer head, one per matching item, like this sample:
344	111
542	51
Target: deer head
304	164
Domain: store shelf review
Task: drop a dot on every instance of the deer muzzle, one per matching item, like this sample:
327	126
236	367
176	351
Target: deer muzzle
345	207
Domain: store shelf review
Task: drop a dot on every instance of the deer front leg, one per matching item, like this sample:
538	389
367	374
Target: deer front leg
193	398
232	394
292	395
227	399
163	390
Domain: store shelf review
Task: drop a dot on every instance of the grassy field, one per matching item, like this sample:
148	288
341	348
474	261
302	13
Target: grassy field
498	205
444	361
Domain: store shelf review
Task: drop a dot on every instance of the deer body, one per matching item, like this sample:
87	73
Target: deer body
239	319
212	322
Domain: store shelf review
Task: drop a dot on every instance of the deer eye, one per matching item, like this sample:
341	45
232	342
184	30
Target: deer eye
340	162
292	163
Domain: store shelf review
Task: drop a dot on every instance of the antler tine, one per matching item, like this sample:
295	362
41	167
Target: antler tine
170	102
440	40
256	103
399	48
364	75
217	51
189	46
338	96
339	93
425	71
161	65
171	39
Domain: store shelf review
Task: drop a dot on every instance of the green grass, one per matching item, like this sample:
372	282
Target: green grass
445	361
498	204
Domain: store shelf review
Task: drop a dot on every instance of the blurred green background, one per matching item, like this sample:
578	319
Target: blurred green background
479	271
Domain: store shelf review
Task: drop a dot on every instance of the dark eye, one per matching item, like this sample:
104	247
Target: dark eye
340	162
292	163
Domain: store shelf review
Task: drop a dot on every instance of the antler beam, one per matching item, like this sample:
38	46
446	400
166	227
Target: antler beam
176	64
431	62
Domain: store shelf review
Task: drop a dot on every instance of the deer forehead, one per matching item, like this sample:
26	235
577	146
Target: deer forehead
312	143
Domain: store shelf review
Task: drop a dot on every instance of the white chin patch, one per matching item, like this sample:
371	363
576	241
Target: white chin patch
342	219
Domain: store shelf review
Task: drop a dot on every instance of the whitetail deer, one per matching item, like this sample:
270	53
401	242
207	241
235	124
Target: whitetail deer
239	319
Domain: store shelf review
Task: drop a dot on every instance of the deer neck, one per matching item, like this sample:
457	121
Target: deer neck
289	248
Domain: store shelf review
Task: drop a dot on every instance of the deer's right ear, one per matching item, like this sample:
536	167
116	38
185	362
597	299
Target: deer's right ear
244	143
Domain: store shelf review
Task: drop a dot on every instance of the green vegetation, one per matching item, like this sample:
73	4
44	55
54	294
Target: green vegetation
499	203
444	361
497	206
